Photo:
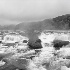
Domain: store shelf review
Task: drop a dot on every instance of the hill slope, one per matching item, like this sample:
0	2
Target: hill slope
58	23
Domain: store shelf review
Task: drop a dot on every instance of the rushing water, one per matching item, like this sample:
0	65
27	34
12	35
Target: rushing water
46	58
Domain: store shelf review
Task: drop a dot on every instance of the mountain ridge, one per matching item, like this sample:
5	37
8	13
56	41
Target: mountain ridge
49	24
58	23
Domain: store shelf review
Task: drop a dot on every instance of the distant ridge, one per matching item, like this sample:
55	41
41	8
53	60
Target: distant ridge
58	23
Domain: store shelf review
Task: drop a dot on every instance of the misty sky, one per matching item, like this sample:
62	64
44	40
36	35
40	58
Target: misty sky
16	11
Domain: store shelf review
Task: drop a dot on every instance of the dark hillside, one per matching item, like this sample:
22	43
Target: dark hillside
62	22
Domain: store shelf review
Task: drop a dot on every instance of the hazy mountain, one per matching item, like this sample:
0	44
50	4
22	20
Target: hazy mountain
58	23
7	27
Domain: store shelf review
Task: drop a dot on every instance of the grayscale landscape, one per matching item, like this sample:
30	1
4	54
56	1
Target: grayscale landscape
34	35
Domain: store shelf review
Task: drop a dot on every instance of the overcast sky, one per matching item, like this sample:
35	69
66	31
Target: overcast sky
15	11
